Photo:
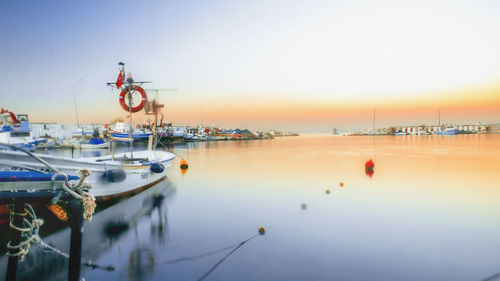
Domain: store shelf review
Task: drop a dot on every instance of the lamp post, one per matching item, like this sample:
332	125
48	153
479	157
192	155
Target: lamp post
201	109
74	100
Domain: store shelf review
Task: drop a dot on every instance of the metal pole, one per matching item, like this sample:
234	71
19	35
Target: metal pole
16	239
75	250
155	127
130	123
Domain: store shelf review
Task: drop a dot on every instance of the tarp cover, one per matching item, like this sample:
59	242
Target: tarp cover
17	176
96	141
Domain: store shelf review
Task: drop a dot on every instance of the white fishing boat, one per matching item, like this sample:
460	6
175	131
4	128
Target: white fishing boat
113	175
110	176
448	130
78	144
15	129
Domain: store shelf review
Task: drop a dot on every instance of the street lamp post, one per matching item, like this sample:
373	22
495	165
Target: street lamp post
74	100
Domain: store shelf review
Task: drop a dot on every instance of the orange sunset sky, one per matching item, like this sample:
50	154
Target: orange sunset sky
286	65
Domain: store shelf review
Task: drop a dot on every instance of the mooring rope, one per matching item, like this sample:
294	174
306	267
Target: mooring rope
198	256
80	190
493	277
85	262
226	256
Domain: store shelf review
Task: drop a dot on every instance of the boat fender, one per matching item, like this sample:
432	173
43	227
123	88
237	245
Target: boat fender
115	175
157	168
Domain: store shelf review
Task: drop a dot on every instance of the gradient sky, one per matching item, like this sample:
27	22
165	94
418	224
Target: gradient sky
307	66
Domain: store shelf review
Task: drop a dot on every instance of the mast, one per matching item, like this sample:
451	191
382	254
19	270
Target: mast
74	100
374	111
130	81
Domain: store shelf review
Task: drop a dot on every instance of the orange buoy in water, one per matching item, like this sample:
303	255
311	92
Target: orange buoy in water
341	184
262	230
369	168
184	164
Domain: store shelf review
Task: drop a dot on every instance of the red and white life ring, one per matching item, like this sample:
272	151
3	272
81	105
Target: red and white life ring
133	88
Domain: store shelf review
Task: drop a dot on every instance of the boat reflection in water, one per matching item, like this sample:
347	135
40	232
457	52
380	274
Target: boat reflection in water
106	230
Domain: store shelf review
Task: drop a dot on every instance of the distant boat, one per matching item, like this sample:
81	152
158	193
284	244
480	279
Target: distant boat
16	130
121	131
449	130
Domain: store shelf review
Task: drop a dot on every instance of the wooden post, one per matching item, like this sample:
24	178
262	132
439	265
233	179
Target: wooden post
15	238
75	250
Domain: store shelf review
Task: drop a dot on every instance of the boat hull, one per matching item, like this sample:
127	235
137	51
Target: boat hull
136	174
136	137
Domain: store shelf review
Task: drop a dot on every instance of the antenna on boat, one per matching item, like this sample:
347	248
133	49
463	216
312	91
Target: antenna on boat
153	108
129	87
373	125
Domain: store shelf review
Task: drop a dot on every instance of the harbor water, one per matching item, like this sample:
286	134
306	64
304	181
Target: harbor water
430	211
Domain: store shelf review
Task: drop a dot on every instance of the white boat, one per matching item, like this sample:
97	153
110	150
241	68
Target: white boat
15	129
81	145
110	176
139	134
449	131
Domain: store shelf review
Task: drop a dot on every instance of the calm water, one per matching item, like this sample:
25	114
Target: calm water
431	211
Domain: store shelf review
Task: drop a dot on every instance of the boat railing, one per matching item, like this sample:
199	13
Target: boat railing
70	188
15	147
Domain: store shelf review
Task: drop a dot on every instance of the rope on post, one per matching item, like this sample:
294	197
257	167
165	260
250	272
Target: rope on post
31	224
29	235
80	190
29	231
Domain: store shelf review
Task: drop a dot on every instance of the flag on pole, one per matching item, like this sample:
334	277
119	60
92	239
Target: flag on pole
119	80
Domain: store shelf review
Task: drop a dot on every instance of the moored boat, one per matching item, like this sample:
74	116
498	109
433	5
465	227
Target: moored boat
122	132
111	176
448	130
15	130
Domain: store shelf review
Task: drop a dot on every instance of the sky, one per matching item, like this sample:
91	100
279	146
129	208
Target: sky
305	66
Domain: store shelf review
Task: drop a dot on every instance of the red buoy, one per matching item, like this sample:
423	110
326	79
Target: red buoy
369	168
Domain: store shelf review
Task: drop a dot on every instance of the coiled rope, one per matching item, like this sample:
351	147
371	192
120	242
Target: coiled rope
30	224
29	235
29	231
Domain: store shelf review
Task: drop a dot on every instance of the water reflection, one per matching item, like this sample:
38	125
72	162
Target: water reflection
141	264
430	201
108	227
